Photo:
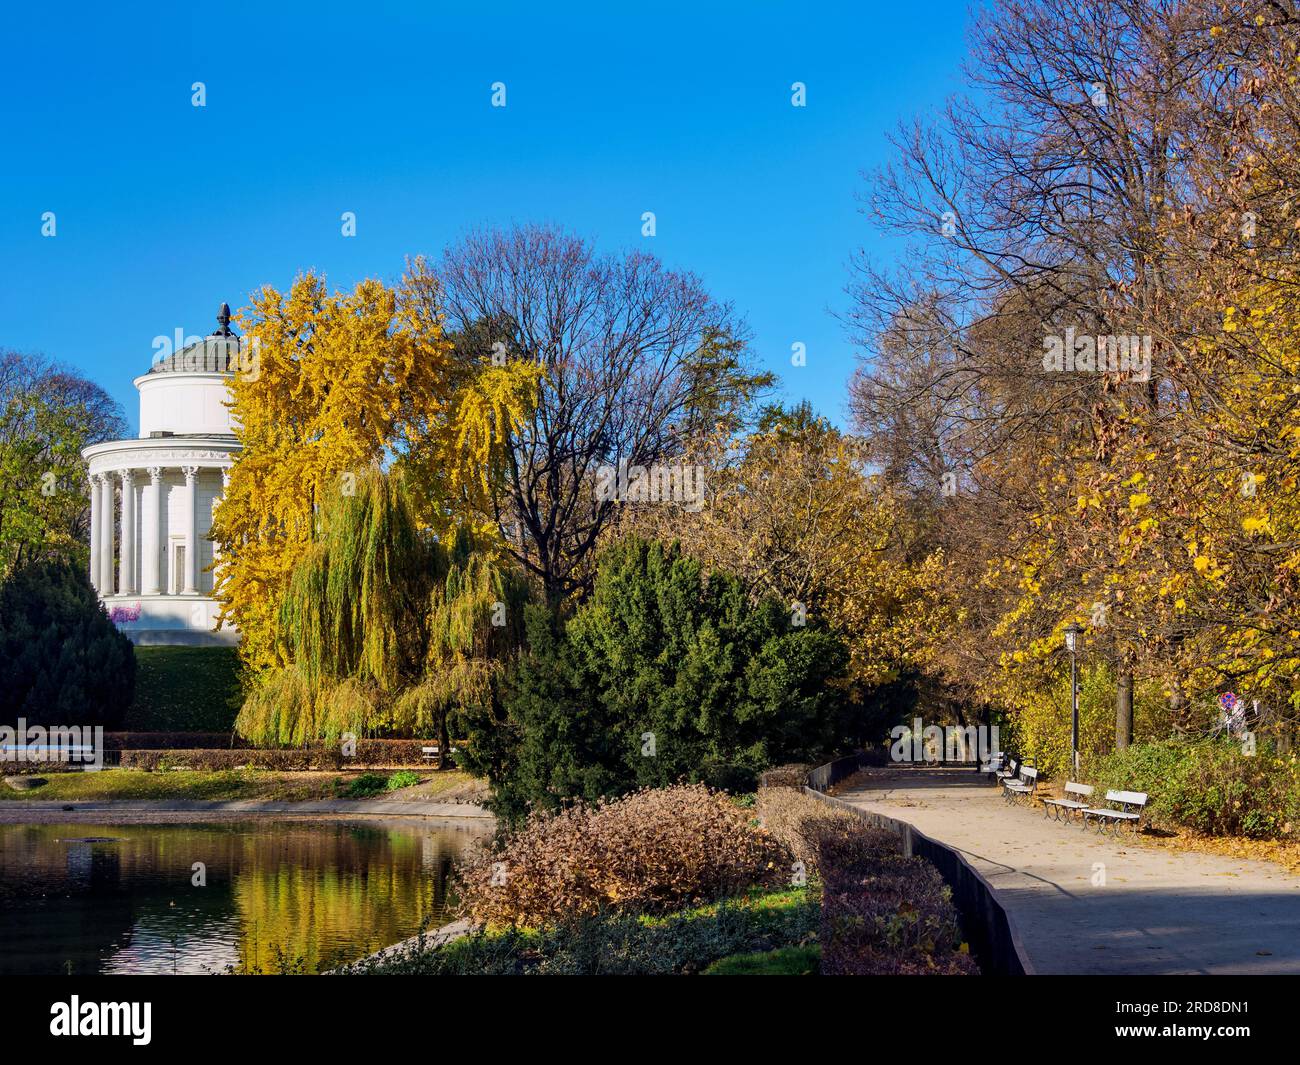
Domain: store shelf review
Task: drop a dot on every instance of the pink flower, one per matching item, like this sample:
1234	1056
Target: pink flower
120	614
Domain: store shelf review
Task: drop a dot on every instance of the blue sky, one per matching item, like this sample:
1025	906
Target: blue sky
165	209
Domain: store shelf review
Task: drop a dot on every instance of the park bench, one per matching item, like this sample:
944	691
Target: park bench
430	754
1009	769
1126	808
1076	796
47	752
1006	770
993	765
1024	784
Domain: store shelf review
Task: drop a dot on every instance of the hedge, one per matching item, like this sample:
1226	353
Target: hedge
881	913
370	754
890	916
1210	786
162	741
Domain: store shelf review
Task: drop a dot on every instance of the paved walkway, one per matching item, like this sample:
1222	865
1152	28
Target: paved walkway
1157	912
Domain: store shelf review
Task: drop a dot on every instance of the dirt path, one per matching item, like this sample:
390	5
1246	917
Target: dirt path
1089	904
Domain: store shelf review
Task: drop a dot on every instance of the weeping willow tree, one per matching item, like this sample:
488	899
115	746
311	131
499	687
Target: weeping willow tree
384	629
353	604
475	624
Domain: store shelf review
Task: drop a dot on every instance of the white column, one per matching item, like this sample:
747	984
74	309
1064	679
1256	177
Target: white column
191	529
152	520
106	533
95	563
126	566
216	548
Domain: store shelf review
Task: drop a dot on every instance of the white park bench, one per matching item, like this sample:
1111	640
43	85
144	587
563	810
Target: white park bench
1077	797
1022	785
993	765
1125	809
430	754
47	752
1004	769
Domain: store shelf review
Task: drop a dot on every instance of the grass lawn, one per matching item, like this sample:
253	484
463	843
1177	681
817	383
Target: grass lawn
684	942
788	961
756	900
184	689
220	784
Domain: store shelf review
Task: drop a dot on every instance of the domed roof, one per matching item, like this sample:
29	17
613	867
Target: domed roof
217	353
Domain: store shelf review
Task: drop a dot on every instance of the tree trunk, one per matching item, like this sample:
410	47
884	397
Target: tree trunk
1123	710
442	740
1179	711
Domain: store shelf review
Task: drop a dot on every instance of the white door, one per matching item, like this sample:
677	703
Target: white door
178	567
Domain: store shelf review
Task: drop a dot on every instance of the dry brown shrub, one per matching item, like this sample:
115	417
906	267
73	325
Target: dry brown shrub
881	913
784	776
652	851
797	820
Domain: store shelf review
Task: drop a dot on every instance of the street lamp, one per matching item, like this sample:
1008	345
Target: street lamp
1072	633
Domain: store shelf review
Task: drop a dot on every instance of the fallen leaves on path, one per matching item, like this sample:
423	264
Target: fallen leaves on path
1283	852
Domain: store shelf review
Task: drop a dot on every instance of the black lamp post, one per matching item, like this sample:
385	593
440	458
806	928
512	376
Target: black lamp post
1072	633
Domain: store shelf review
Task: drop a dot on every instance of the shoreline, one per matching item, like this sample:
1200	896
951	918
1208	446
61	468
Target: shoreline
435	937
179	811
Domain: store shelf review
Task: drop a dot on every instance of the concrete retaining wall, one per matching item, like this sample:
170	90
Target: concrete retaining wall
989	930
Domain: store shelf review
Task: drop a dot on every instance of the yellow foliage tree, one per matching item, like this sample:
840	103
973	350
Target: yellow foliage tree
333	385
792	510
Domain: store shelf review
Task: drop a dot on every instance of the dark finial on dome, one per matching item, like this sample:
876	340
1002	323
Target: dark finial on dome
223	322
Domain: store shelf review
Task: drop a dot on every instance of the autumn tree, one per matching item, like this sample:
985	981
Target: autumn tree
48	414
1039	212
638	360
385	629
1229	582
792	509
334	385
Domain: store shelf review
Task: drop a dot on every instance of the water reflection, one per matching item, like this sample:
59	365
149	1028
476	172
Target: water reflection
279	896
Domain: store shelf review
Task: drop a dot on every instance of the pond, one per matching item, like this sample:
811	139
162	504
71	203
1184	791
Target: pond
271	897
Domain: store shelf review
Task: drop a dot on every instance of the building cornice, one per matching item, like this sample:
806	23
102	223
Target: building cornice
206	451
173	376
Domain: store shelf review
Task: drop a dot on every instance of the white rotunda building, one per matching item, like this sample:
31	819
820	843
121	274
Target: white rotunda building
152	499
